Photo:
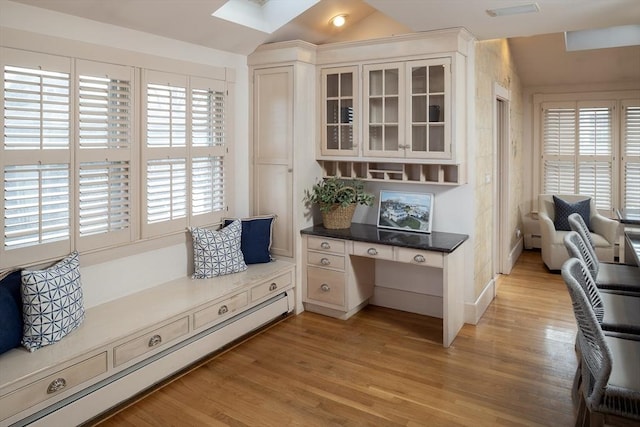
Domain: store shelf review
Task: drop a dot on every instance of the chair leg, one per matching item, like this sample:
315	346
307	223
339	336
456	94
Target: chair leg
596	419
582	414
575	387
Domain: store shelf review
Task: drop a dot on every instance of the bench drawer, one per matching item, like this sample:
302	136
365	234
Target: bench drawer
373	250
325	260
270	287
326	286
418	257
222	309
52	385
150	341
326	245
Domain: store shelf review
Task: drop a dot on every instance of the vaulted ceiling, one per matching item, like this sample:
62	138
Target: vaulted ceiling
191	21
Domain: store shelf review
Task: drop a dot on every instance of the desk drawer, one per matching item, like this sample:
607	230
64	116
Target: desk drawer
326	286
222	309
418	257
270	287
326	245
155	339
325	260
52	385
373	250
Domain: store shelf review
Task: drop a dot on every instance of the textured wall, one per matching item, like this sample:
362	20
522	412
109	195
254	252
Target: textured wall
494	64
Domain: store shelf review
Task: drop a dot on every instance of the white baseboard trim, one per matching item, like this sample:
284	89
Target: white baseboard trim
474	311
514	254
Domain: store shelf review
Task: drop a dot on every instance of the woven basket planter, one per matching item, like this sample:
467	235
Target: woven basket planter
338	217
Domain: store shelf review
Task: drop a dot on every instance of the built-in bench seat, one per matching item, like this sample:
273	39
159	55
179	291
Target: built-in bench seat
128	344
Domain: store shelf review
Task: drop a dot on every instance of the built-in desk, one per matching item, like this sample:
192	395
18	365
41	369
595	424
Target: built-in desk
630	220
340	268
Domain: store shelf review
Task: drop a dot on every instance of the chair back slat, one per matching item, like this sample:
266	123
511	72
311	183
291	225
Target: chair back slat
578	248
577	224
596	355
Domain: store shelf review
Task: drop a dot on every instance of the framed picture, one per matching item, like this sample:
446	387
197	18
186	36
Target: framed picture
405	211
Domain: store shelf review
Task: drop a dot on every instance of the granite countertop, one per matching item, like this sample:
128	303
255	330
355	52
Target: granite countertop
435	241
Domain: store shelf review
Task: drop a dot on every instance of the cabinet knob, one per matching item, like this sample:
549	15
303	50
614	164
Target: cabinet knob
223	309
325	288
325	245
372	251
419	258
56	385
273	286
155	340
325	261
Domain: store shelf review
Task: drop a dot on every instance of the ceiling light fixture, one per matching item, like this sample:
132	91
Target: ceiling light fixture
338	20
514	10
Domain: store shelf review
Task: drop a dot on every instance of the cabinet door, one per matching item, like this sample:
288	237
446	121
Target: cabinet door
384	110
429	109
340	112
272	152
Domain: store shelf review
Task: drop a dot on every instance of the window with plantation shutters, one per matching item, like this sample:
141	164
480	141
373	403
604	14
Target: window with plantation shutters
105	116
184	150
36	157
578	150
631	154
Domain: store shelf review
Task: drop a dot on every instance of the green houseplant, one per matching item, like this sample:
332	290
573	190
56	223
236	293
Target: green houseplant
337	199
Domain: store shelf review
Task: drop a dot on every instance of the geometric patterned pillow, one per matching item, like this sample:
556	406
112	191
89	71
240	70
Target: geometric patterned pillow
216	253
52	304
563	209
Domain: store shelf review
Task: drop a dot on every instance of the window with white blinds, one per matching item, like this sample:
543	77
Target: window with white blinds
36	157
89	162
183	154
631	154
105	132
578	150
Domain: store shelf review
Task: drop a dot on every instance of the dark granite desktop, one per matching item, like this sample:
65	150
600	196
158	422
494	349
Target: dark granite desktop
435	241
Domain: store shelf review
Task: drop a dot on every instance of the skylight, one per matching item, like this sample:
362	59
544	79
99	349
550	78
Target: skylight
625	35
262	15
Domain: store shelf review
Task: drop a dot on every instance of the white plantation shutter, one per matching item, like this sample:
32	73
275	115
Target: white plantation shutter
105	117
165	153
595	153
207	150
577	150
35	161
184	152
631	154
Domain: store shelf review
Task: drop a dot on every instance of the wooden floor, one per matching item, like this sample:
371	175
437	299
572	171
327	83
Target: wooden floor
388	368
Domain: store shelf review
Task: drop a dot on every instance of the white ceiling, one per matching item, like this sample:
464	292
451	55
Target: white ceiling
191	21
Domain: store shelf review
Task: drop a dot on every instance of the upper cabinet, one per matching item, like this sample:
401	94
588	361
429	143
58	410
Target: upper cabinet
340	98
406	112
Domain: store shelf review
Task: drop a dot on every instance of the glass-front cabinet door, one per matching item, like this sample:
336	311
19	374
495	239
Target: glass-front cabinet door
429	109
383	110
340	111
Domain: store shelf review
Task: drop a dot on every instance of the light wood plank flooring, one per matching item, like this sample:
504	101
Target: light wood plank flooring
388	368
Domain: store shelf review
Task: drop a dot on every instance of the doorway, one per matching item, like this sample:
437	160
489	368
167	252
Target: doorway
501	174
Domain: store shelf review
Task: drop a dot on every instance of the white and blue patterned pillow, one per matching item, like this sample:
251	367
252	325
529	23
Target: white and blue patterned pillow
216	253
52	304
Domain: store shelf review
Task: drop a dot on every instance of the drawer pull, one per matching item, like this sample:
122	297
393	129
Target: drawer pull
56	385
419	258
325	261
155	340
325	245
273	286
372	251
223	309
325	288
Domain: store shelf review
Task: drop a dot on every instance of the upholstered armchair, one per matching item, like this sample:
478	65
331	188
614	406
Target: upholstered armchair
604	231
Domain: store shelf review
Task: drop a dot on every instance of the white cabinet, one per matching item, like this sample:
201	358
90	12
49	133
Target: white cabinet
340	111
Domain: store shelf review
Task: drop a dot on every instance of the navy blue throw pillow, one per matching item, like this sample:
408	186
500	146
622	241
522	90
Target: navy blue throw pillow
10	312
255	241
564	209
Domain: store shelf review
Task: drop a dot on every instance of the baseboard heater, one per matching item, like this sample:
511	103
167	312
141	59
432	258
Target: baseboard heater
98	398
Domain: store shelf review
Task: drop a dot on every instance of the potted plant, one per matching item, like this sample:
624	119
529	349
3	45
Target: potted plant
338	199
